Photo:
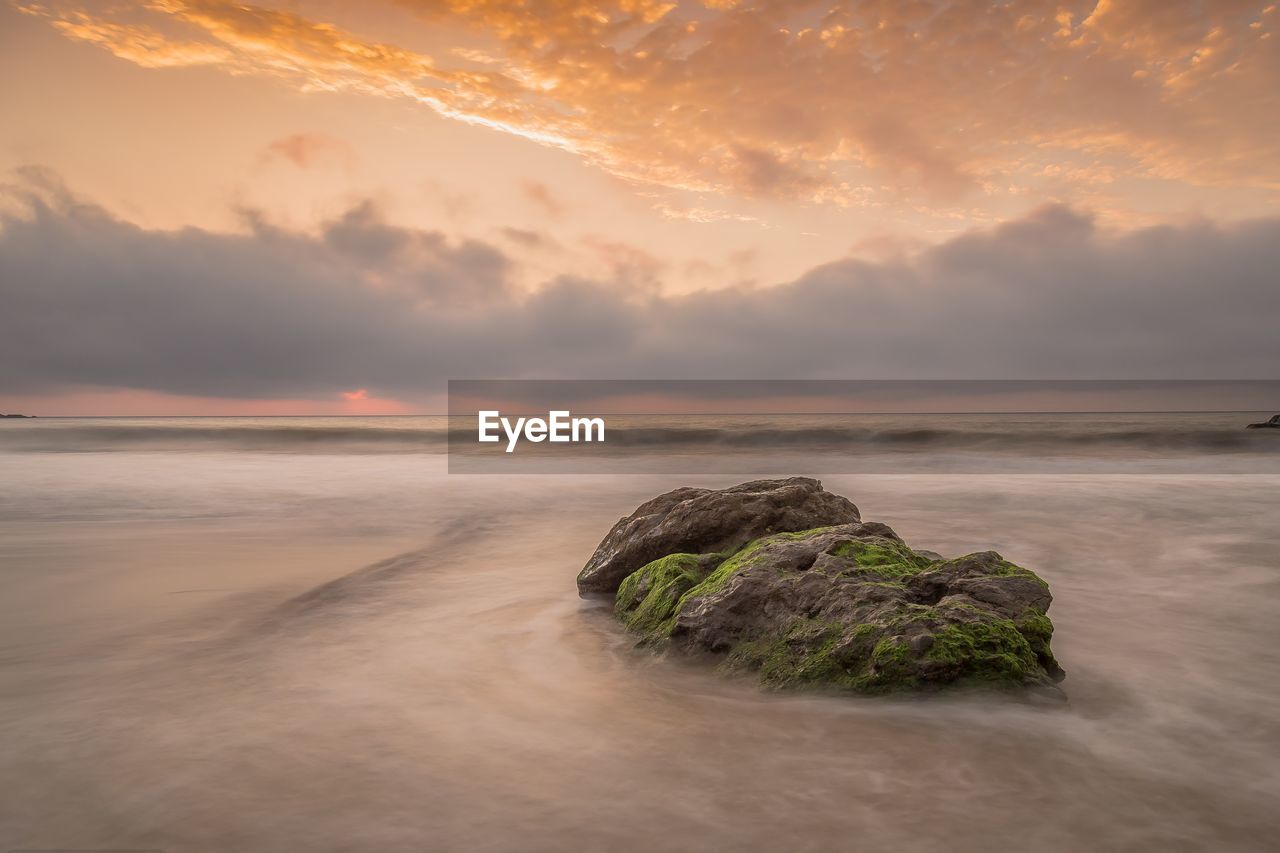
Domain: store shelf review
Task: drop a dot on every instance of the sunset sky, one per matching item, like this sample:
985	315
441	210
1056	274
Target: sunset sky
333	207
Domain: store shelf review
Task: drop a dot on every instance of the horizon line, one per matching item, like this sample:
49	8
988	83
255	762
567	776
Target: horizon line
691	414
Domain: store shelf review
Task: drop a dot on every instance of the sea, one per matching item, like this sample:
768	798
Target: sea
319	634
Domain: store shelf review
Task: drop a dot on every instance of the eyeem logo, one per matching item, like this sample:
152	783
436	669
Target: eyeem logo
558	426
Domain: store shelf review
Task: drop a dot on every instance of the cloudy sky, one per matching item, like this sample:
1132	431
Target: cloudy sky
225	207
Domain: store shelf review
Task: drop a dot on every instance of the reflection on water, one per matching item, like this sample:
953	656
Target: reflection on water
224	652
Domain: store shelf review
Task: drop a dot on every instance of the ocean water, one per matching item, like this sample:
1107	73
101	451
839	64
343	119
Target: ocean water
305	634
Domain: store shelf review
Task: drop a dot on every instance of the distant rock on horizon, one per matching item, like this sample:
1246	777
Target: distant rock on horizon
783	579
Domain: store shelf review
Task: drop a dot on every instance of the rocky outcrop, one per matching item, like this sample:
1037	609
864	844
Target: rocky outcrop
847	606
1274	423
706	521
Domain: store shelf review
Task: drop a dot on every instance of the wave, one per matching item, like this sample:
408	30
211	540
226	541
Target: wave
1084	436
844	439
282	439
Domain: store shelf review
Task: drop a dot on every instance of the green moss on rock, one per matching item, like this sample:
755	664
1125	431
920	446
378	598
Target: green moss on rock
848	608
803	655
647	598
1036	627
716	580
884	557
983	650
745	557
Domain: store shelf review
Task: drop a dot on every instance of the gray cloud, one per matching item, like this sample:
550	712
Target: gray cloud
91	300
424	261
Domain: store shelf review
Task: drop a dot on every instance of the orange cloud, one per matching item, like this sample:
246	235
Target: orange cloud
542	196
361	402
308	150
853	103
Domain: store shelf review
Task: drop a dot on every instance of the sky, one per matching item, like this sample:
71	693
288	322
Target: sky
220	207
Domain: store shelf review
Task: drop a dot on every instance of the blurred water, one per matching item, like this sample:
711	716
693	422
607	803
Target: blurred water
215	648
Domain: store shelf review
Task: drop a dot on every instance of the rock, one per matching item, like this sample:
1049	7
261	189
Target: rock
1274	423
705	521
847	606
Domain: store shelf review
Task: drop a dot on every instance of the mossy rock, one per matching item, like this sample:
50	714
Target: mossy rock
849	607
